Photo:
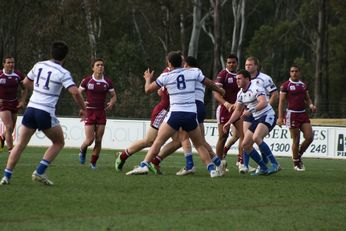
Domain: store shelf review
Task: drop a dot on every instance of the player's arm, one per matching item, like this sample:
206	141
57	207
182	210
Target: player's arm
112	100
210	84
77	97
308	101
24	95
273	97
150	86
282	100
239	108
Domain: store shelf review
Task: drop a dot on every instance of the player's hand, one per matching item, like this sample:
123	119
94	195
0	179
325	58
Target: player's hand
246	113
280	122
313	108
109	106
226	127
148	75
82	114
21	104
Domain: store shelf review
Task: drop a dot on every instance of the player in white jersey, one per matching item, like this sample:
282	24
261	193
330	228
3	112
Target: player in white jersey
171	147
46	78
181	85
271	93
251	100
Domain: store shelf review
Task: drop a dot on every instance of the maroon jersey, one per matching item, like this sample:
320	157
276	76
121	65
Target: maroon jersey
164	100
295	94
9	84
227	81
96	91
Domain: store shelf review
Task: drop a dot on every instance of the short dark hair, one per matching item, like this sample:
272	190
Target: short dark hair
191	61
174	58
7	57
96	60
232	56
245	73
59	50
295	66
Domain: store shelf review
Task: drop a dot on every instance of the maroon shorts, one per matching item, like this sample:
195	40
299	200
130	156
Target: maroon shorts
95	117
222	114
296	119
157	116
10	105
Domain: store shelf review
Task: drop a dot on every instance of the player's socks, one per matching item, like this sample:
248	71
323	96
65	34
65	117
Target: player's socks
188	160
156	160
211	167
94	159
41	168
8	173
265	150
246	159
225	150
143	164
124	155
257	158
216	160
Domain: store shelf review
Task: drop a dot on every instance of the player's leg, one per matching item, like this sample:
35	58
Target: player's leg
261	131
186	145
25	134
306	128
239	130
246	158
197	140
55	134
295	135
231	141
249	151
89	131
135	147
7	119
100	129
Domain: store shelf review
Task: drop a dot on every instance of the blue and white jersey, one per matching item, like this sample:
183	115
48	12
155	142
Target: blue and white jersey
266	82
200	90
49	78
248	98
181	87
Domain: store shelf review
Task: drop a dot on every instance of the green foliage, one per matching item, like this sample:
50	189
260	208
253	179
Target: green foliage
85	199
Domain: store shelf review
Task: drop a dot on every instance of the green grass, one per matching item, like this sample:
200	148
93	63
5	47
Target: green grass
83	199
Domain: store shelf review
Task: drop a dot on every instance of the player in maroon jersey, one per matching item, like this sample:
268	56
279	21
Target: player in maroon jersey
226	79
10	80
157	116
96	88
296	94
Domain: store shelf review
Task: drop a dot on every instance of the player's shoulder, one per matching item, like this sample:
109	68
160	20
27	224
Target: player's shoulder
264	76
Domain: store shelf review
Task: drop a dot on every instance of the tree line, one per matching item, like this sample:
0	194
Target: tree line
133	35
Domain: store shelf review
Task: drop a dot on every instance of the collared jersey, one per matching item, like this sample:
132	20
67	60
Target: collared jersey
248	98
266	82
181	87
9	84
49	78
96	91
295	92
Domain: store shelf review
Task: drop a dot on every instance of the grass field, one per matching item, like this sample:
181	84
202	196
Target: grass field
85	199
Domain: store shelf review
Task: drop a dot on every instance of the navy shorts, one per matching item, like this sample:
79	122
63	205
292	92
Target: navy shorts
185	120
200	111
269	120
38	119
249	118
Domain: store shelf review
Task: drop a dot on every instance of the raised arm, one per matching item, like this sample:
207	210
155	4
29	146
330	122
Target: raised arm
149	86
